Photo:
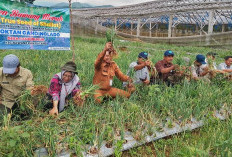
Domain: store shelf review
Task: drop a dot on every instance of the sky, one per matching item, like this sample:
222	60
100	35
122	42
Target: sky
94	2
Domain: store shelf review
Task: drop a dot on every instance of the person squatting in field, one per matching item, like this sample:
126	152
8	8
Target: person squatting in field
14	79
63	86
105	70
165	67
200	69
140	70
227	65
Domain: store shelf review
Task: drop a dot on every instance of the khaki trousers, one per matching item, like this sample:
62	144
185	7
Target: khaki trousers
112	92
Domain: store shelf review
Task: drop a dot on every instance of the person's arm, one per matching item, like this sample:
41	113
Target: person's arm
222	68
76	89
147	81
227	70
160	68
54	110
29	82
167	70
141	66
205	72
54	91
194	73
120	75
220	71
101	55
99	59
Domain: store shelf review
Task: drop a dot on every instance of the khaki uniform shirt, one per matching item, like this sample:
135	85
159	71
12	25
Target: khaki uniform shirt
105	72
12	87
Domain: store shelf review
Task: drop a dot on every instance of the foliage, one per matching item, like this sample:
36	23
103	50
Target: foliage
91	124
23	1
110	35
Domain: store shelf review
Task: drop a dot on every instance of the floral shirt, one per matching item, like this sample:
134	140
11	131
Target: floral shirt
56	85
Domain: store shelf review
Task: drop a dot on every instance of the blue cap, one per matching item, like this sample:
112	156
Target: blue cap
10	63
143	55
168	53
200	59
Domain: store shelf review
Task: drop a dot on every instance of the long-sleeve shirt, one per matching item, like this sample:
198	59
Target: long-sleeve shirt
104	73
56	85
12	87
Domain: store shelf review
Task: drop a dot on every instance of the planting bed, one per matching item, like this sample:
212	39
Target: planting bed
119	124
131	142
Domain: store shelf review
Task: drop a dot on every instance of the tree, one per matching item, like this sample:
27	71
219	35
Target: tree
24	1
28	1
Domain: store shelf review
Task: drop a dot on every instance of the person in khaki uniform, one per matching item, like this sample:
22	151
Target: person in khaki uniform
105	70
14	79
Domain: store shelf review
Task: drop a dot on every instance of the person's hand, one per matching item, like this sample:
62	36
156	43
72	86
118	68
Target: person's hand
176	67
172	67
53	111
148	63
195	78
108	46
146	82
131	88
220	71
130	81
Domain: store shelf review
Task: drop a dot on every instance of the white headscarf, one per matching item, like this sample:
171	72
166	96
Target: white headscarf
66	88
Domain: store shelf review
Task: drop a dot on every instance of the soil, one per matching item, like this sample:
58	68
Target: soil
109	144
93	150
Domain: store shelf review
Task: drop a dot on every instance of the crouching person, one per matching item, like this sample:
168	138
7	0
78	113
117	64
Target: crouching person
226	67
165	67
14	79
140	70
105	70
64	85
200	69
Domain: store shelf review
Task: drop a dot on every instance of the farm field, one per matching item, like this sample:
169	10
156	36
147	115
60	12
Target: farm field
144	112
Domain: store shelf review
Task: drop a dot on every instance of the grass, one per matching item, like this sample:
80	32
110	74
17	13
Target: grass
92	123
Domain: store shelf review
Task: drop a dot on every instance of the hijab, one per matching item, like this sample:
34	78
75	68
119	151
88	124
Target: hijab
66	88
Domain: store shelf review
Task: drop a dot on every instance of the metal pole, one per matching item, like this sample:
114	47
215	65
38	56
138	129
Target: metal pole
115	24
96	27
211	22
132	26
170	26
210	27
72	31
156	29
223	27
138	27
150	28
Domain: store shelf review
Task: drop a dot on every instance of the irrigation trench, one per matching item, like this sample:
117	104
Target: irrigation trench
131	142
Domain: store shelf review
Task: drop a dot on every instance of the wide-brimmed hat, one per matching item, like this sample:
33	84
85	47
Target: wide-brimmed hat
70	66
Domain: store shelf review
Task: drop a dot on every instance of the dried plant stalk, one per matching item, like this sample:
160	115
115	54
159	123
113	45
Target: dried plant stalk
39	90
